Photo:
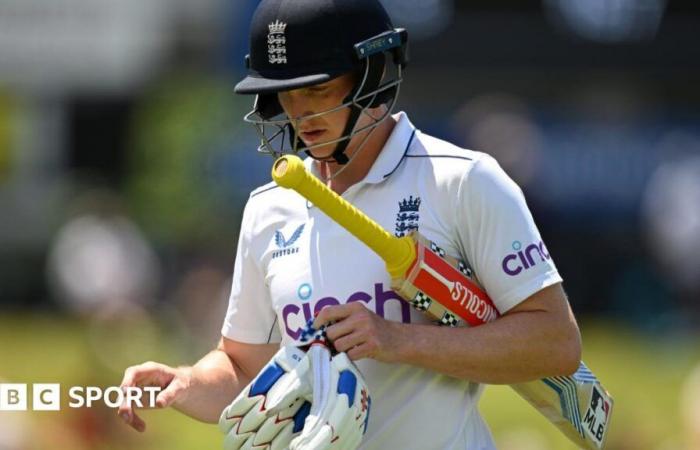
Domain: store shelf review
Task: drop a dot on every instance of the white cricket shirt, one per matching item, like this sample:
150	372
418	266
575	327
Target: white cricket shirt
292	260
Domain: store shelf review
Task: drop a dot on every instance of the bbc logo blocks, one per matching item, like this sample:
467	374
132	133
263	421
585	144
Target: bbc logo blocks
13	397
45	397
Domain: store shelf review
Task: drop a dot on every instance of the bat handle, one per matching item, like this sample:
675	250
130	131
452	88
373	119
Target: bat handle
398	253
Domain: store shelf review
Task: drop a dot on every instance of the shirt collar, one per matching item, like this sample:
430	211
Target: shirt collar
392	153
394	149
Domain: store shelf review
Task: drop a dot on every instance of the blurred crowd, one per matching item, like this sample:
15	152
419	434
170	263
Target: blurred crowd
125	164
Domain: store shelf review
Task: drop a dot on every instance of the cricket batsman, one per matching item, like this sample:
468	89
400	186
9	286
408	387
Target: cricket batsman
317	350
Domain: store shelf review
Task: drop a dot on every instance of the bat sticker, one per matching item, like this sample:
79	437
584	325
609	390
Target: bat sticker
596	419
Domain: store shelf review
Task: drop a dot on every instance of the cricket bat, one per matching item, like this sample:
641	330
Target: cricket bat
445	289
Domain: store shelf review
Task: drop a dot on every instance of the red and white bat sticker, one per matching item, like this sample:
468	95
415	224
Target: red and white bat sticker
448	286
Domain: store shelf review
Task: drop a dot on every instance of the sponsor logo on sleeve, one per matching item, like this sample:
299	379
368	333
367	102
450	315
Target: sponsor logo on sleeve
524	258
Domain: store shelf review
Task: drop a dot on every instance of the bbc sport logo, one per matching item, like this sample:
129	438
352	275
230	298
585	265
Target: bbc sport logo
47	396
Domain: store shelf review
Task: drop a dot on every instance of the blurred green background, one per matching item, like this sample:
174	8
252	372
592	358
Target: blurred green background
125	164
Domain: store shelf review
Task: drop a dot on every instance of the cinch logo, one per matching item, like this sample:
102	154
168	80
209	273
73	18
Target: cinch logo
295	316
515	263
284	245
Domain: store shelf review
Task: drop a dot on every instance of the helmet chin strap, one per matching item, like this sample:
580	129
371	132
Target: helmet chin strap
359	148
339	153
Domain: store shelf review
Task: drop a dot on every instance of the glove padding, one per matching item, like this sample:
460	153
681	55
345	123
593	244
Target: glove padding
247	421
339	396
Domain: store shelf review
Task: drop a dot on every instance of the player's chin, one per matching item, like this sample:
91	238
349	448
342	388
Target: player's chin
323	152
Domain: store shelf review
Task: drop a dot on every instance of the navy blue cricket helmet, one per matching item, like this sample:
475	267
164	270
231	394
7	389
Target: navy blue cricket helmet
300	43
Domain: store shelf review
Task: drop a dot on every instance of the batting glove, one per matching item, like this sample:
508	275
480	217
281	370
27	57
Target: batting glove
247	421
339	397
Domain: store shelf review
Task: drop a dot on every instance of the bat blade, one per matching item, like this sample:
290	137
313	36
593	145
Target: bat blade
578	405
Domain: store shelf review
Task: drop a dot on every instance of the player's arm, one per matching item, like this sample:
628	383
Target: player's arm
201	391
535	339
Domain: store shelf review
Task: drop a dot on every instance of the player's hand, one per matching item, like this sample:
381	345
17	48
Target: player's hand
174	383
360	332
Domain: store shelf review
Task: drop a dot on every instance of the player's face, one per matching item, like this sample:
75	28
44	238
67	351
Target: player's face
302	102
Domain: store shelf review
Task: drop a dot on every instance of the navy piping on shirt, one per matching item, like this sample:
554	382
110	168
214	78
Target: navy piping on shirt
404	154
269	336
264	190
439	156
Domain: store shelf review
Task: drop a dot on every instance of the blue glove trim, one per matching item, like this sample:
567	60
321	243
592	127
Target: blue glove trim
369	407
347	384
300	417
266	379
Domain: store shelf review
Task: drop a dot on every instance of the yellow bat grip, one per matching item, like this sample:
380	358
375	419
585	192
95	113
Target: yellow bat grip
398	253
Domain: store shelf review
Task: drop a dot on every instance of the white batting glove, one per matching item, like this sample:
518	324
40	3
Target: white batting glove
340	401
247	421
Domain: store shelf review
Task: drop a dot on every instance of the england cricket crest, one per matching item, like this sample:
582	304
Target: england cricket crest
407	217
276	43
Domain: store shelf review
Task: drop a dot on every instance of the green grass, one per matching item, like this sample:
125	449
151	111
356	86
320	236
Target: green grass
644	374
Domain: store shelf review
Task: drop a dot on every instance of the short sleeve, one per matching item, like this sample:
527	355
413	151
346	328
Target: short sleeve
499	236
250	317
